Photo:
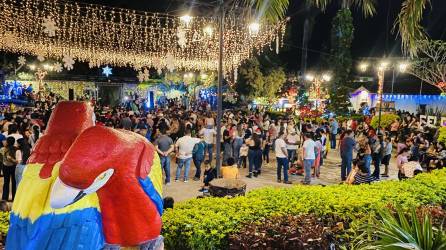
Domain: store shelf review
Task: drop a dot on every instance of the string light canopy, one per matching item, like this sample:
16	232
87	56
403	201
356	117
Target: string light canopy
103	35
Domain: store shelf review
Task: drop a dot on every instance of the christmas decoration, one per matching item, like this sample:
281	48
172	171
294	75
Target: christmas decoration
57	67
21	61
68	62
120	37
107	71
50	27
170	62
143	75
181	35
40	58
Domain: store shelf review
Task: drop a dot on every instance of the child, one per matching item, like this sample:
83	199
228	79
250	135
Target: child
210	173
243	154
387	155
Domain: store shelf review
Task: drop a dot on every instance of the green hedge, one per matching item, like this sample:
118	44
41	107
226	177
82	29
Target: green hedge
206	223
386	120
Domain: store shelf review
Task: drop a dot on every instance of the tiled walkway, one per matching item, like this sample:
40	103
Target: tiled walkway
330	175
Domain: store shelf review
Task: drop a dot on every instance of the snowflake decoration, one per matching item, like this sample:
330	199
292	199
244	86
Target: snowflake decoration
41	58
107	71
143	75
21	61
181	34
170	62
68	62
49	26
57	67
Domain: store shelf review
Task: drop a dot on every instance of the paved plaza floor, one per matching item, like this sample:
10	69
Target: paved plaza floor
330	175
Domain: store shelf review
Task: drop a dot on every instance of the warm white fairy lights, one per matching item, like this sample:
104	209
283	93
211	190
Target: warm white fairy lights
102	35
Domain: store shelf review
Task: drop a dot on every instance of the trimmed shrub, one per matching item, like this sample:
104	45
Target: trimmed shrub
304	232
207	223
386	120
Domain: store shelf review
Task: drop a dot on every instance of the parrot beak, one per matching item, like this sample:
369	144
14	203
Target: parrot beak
63	195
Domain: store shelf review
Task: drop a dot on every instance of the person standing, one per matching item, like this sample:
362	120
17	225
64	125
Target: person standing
227	145
254	155
347	146
184	147
387	155
334	126
198	157
164	146
309	157
291	143
209	133
377	154
282	159
21	155
9	165
236	145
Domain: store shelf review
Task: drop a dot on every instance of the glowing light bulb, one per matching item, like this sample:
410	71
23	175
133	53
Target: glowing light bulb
254	28
208	30
186	19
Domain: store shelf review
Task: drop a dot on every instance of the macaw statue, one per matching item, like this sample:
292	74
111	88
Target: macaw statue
34	224
124	170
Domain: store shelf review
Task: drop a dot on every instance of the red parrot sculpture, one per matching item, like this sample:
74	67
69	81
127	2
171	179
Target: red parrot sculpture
123	169
33	223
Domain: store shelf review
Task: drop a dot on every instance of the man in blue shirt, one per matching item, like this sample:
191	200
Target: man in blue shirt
334	126
347	146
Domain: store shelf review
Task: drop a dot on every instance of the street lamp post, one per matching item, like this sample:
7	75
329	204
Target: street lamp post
381	69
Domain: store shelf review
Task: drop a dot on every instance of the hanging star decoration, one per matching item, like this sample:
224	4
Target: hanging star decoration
21	61
68	62
49	26
107	71
181	35
143	75
57	67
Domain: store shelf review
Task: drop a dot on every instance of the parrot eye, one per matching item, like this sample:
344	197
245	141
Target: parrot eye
100	181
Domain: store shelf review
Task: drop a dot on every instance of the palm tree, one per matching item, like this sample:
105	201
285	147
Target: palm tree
407	24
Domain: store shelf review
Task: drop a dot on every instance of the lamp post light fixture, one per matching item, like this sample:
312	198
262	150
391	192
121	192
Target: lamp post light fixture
381	69
41	71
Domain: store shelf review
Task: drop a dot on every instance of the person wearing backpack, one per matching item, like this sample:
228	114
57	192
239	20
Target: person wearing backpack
198	156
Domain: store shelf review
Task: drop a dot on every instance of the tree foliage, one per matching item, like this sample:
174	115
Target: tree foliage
430	65
254	83
341	60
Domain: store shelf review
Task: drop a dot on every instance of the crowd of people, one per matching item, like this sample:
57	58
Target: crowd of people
186	134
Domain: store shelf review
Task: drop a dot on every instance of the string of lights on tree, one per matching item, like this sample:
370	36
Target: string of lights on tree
103	35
